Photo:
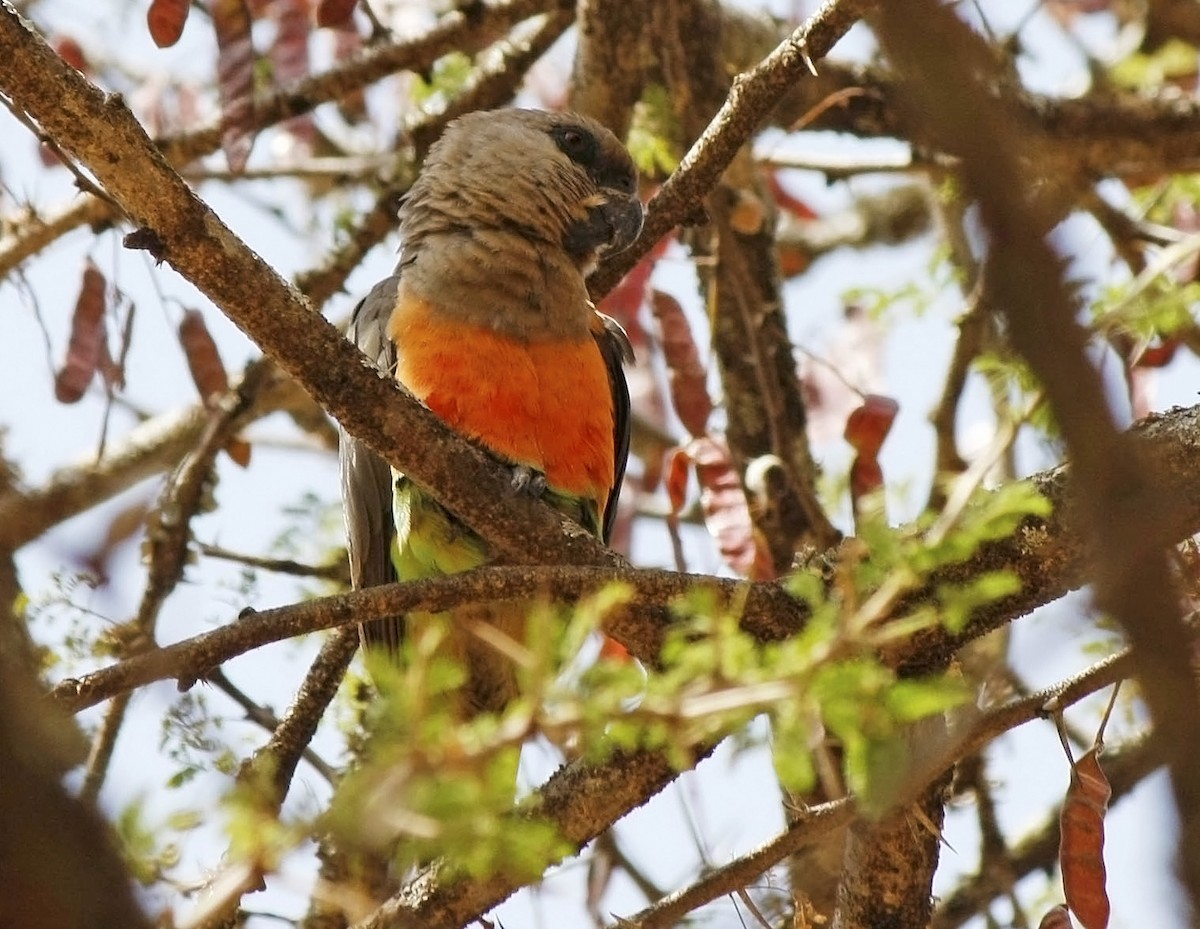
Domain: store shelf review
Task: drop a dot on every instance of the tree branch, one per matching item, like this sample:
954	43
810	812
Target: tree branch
770	611
609	70
583	800
808	827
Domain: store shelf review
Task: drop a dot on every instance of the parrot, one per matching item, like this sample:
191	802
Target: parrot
487	321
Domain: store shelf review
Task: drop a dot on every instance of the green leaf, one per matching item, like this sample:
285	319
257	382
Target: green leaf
909	699
791	756
960	601
1175	58
185	820
655	139
182	777
989	516
448	76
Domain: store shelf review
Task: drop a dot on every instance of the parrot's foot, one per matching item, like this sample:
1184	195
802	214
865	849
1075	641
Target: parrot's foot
529	481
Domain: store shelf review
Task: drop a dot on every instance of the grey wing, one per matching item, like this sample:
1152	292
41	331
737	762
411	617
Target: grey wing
367	482
615	347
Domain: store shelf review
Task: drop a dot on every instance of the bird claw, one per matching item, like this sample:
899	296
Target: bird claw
528	481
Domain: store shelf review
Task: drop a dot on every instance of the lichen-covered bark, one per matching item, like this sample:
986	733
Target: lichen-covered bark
888	866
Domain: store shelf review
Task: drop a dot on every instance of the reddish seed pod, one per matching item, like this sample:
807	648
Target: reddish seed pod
238	450
726	510
165	20
1056	918
208	373
1081	846
688	377
235	79
866	429
335	13
71	52
87	338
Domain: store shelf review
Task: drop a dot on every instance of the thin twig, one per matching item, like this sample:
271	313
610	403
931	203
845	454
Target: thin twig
336	571
264	717
275	765
104	742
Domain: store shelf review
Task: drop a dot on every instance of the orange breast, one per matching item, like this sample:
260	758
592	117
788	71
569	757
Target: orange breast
545	405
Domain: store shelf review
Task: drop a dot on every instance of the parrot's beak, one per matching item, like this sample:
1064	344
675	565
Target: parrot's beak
623	214
614	219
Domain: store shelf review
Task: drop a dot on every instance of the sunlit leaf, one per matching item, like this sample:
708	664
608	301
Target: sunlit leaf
958	602
655	140
911	699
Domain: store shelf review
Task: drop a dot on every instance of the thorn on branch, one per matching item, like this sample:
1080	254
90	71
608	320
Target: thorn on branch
146	239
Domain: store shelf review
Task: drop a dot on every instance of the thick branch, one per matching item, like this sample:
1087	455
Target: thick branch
888	865
583	800
609	64
766	410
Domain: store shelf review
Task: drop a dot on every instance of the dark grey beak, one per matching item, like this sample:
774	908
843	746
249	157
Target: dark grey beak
624	215
609	227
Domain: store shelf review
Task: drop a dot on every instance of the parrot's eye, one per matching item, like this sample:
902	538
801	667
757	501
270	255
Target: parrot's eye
577	144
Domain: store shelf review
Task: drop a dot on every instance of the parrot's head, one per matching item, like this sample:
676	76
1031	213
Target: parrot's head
511	211
609	217
561	180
